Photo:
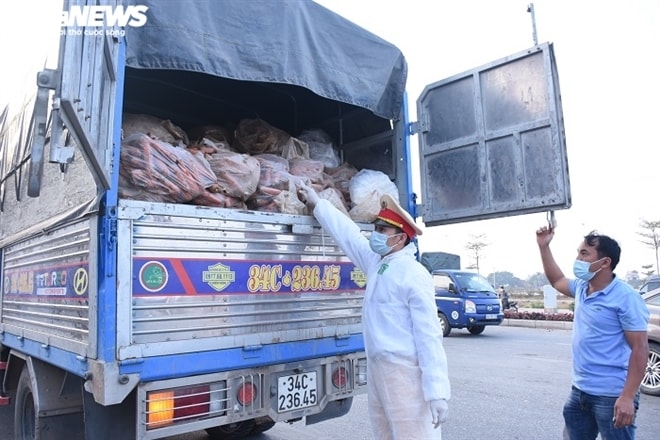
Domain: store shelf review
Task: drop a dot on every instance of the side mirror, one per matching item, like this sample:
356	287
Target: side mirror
452	288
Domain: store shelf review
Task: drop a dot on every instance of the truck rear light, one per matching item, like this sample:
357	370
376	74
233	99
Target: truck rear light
170	406
247	393
340	377
160	409
361	374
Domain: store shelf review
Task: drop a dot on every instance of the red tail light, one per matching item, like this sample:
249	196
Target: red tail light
340	377
247	393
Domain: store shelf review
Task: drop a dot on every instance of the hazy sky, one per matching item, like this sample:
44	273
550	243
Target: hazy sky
608	57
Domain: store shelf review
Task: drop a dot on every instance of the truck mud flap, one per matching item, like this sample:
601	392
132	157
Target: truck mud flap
336	408
101	421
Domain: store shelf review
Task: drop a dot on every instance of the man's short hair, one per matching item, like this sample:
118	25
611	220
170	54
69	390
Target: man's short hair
605	247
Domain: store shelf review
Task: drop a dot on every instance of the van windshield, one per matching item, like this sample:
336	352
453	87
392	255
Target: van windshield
473	282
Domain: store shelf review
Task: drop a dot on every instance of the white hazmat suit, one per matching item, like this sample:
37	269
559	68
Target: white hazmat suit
406	363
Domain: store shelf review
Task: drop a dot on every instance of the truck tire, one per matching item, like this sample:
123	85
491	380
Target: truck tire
25	412
232	431
444	324
476	329
262	425
651	381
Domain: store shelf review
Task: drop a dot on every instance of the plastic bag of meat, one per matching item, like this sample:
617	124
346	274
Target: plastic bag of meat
216	134
238	174
166	173
334	196
218	200
256	136
312	169
156	128
321	147
366	189
276	191
341	178
294	149
208	177
274	171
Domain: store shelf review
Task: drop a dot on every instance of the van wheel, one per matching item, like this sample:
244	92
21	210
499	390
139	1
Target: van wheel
651	381
444	324
476	329
25	413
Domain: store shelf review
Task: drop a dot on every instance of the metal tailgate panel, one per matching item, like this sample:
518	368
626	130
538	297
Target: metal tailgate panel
492	141
228	278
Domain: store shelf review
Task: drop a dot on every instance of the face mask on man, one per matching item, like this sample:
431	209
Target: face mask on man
378	243
581	269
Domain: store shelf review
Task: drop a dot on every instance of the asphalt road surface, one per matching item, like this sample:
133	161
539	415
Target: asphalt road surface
507	384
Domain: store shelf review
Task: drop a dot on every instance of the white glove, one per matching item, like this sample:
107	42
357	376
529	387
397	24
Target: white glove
307	194
439	412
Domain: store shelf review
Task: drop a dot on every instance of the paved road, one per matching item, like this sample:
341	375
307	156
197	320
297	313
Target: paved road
508	384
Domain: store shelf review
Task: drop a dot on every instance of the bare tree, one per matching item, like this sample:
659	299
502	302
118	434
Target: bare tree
476	245
651	234
647	270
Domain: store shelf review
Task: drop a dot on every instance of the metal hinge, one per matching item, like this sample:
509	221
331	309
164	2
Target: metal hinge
46	81
418	127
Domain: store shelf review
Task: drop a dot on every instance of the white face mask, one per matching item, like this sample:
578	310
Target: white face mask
581	269
378	243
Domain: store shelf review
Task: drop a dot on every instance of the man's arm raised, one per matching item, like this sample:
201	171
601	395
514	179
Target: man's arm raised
552	271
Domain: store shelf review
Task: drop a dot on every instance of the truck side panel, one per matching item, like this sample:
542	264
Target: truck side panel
228	279
46	289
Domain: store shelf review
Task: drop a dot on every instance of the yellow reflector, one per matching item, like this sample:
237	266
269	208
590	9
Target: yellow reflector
160	409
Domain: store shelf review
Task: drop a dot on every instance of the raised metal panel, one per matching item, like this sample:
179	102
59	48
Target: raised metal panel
86	93
492	141
228	278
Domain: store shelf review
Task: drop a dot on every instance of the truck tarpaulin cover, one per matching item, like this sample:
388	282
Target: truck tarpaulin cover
296	42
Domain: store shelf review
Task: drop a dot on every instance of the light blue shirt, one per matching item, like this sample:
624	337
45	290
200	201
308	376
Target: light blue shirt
600	350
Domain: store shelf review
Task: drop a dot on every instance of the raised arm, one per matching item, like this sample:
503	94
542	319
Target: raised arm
552	271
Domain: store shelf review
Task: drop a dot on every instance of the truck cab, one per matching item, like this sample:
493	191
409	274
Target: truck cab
465	300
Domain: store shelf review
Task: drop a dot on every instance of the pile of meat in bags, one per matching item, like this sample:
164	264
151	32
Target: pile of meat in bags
255	166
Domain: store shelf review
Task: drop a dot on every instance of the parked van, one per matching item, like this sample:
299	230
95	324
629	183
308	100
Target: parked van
651	283
465	300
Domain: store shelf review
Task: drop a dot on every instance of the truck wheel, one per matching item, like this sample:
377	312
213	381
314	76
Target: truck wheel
262	426
651	381
232	431
444	324
25	413
476	329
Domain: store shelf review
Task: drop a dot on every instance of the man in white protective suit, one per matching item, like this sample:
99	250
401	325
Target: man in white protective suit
407	378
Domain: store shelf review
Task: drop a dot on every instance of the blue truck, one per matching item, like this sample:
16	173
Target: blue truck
175	316
465	300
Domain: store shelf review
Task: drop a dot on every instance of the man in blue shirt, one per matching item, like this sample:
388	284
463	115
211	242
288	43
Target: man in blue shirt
610	345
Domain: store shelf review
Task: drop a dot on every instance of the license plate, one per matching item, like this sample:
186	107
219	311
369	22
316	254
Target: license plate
491	316
296	391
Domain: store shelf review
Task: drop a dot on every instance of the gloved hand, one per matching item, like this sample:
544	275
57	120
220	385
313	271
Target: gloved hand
307	194
439	412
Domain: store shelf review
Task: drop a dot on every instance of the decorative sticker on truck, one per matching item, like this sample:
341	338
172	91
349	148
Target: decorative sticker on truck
64	281
200	277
